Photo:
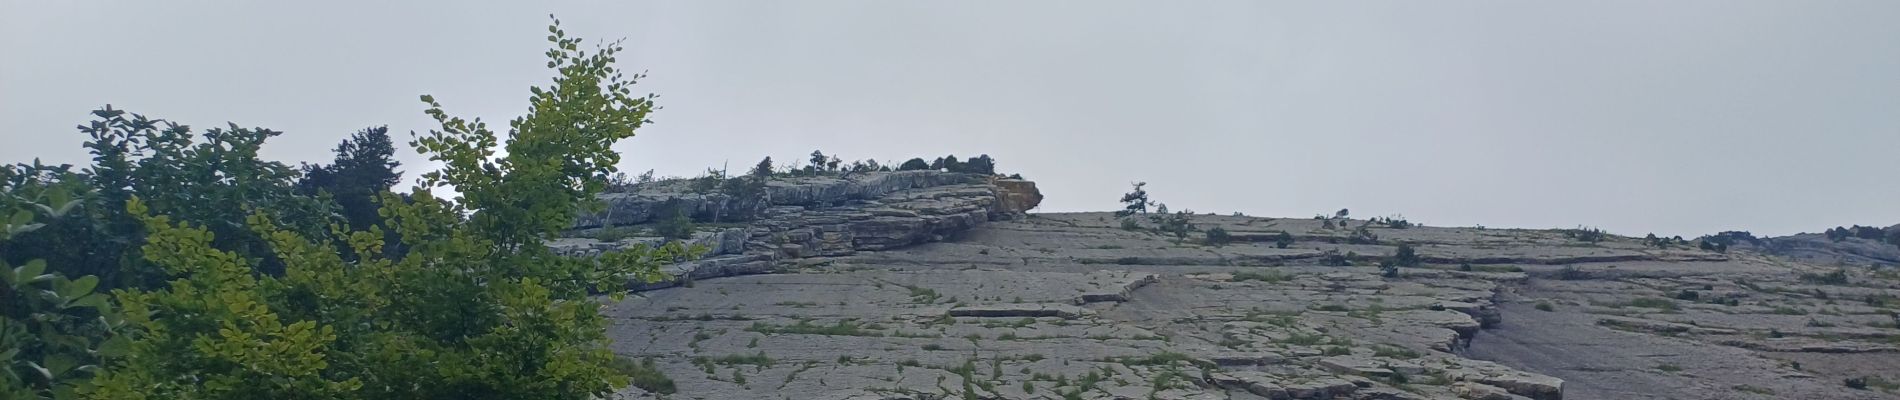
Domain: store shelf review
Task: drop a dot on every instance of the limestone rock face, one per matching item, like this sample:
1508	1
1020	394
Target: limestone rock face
1017	196
648	201
937	290
804	217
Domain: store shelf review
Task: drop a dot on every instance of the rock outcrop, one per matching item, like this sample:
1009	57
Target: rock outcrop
931	286
805	217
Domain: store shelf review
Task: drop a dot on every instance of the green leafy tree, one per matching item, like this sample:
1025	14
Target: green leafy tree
1405	256
1135	201
981	164
210	178
818	161
479	308
763	170
914	164
364	169
54	331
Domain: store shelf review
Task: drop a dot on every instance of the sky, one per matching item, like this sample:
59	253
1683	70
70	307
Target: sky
1677	117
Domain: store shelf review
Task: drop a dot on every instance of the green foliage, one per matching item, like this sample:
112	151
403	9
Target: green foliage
212	179
479	307
364	169
763	171
1394	222
1282	239
1406	256
981	164
1584	234
54	331
1361	235
1135	201
644	375
1835	277
677	226
1268	276
1177	223
1218	236
914	164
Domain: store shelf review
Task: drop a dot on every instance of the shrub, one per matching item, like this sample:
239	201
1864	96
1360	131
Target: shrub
645	375
1590	235
1545	306
56	331
1244	276
1334	259
1405	256
1218	236
1282	240
1130	224
914	164
1361	235
1837	277
1135	201
1177	224
479	308
678	226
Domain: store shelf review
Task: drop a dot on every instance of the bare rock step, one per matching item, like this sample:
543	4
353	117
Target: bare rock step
1022	310
1114	285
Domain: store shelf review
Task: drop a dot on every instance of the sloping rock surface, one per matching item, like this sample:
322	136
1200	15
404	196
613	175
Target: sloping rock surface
947	292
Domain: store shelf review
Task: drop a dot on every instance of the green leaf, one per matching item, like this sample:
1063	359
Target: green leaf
115	347
21	217
60	364
79	287
94	300
31	270
65	207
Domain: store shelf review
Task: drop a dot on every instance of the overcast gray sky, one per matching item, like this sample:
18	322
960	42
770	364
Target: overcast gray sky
1676	117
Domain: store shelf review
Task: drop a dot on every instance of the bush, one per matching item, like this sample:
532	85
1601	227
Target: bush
1361	235
645	375
1590	235
678	226
479	308
914	164
1177	224
1269	277
1571	273
1218	236
1282	240
56	331
1837	277
1405	256
1135	201
1545	306
1130	224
